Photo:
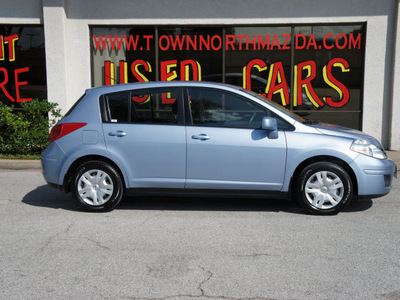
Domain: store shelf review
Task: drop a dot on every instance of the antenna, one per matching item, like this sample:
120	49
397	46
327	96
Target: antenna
115	80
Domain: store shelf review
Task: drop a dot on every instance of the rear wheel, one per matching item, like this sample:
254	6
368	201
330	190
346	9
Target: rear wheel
97	186
324	188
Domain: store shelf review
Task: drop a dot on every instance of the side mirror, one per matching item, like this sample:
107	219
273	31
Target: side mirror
271	126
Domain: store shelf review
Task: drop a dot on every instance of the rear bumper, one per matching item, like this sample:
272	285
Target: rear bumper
374	176
51	164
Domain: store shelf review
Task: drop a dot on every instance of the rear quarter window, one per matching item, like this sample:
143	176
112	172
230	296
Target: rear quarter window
75	104
147	106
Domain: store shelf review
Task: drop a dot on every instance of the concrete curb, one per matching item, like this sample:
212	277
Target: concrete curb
20	164
15	164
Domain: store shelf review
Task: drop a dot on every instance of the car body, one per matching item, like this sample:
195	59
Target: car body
196	138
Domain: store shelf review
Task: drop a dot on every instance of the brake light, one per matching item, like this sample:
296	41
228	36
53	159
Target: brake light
61	130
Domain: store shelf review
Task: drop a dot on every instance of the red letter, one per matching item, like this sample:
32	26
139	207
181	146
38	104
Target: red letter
355	44
19	83
167	75
275	42
344	37
262	43
339	87
100	40
276	74
253	42
116	41
285	45
109	73
2	85
123	71
204	42
160	43
257	63
240	37
132	42
312	42
185	68
324	41
191	42
230	41
11	46
300	82
135	69
299	35
177	41
166	66
219	40
147	38
140	77
1	48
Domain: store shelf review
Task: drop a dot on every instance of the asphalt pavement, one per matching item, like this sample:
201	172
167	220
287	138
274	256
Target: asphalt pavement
193	248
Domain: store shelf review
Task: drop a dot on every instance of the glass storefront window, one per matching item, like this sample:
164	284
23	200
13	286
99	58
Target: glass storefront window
332	56
316	71
22	64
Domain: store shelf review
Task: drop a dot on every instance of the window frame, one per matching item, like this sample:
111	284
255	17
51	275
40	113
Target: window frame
269	113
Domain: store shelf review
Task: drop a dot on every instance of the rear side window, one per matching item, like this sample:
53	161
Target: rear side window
73	106
117	105
150	106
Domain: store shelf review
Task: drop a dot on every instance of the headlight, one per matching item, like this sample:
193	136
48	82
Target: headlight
366	148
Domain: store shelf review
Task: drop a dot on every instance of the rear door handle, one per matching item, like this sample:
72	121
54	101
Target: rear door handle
118	133
201	137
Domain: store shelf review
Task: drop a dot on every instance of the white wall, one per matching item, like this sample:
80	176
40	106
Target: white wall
68	56
395	111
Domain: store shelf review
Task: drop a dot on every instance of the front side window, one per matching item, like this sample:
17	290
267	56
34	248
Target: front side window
222	109
153	106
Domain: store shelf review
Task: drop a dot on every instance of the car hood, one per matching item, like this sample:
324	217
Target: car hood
336	130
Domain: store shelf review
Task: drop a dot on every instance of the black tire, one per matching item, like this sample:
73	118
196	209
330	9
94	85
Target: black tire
97	187
324	188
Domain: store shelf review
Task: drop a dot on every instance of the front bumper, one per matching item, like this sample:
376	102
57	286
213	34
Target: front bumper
374	176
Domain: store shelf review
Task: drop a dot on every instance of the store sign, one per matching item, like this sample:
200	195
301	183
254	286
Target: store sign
7	53
322	64
22	64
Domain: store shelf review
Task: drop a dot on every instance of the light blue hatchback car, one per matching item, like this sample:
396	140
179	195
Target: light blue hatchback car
196	138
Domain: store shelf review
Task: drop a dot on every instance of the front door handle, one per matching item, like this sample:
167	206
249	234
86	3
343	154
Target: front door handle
201	137
118	133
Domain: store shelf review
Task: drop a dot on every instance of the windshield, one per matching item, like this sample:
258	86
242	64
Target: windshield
277	106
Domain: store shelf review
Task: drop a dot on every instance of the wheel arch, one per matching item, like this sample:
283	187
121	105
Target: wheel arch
324	158
73	167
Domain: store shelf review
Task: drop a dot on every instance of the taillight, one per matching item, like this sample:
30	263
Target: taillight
61	130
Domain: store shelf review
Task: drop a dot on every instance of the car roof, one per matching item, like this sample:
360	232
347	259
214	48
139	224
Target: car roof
156	84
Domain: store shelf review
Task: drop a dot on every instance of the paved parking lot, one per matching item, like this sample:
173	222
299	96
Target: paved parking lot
187	248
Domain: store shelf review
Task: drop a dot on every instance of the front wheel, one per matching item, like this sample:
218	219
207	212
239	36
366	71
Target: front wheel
324	188
97	186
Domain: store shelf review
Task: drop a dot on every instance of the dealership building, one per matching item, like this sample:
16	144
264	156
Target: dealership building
332	61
